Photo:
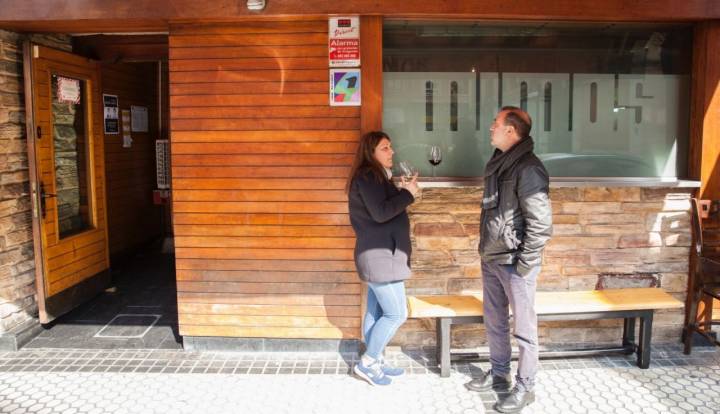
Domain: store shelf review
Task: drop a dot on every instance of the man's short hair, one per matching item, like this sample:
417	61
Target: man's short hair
518	119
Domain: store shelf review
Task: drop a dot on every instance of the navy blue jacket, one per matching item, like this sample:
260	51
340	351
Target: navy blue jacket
382	228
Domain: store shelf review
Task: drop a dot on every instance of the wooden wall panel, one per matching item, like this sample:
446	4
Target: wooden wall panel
263	242
704	160
133	219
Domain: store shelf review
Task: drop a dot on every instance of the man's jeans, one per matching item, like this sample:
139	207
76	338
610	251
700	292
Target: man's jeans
503	286
386	311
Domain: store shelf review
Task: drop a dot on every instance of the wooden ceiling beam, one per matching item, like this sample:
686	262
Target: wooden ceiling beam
88	16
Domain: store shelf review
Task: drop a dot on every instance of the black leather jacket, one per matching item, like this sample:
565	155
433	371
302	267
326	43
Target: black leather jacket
515	232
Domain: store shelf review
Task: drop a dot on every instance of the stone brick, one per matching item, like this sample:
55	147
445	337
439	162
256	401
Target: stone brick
591	208
614	228
659	267
673	221
426	286
431	218
677	239
18	237
453	195
658	194
470	221
13	177
661	254
445	208
640	240
652	206
466	257
11	256
439	229
551	280
564	194
464	286
582	282
5	271
614	219
565	219
566	229
675	282
25	267
581	242
608	268
668	317
472	271
581	258
610	257
472	337
426	258
445	243
611	194
439	272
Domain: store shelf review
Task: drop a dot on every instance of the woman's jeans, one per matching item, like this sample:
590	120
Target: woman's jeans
386	311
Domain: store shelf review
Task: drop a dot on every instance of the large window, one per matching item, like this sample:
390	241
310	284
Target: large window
607	100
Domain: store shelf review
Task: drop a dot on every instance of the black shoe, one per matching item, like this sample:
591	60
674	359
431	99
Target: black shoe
487	381
516	401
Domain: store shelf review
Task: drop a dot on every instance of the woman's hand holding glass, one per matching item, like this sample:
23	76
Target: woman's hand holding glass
410	184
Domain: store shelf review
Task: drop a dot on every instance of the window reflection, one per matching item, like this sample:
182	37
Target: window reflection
607	100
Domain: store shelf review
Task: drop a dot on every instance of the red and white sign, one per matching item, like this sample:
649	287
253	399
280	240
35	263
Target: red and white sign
68	90
344	42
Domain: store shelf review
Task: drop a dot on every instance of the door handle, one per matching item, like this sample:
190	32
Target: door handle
44	195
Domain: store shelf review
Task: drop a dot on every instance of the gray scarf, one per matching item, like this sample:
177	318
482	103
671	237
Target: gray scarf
498	164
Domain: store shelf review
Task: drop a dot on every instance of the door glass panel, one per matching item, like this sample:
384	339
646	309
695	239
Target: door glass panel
70	143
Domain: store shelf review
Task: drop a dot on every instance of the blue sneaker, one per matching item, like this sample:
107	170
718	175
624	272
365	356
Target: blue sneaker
390	370
373	374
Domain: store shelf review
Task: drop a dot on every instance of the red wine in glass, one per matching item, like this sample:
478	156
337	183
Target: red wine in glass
434	156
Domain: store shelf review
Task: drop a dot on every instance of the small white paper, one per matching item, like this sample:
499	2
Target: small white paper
139	116
127	139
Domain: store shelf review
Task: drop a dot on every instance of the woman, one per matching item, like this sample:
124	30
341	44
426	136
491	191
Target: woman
382	249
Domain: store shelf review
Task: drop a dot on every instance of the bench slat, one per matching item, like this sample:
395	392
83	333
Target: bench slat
549	302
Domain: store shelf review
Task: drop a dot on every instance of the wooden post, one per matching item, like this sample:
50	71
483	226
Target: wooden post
704	160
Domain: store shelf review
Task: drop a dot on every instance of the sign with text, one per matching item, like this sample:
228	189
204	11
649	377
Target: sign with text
344	42
68	90
112	114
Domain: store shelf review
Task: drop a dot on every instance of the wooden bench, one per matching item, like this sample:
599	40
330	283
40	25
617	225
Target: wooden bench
629	304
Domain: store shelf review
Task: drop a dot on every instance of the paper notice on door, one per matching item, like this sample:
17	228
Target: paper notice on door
139	118
110	104
68	90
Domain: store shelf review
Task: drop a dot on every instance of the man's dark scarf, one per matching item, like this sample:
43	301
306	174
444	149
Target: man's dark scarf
498	164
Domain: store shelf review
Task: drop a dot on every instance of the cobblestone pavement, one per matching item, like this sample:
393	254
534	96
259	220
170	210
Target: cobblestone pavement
175	381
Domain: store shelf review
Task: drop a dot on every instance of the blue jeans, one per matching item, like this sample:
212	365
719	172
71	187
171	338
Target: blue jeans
386	312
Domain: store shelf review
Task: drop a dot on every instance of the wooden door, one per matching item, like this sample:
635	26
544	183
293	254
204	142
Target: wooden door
67	178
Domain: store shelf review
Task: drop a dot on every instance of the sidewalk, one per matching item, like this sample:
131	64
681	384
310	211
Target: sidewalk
175	381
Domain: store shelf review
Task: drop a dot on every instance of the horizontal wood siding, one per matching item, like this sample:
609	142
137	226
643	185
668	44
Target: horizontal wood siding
263	242
133	219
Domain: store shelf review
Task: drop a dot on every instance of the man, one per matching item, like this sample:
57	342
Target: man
516	222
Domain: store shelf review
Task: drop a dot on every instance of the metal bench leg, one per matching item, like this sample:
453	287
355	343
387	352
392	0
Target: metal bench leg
629	335
443	345
643	356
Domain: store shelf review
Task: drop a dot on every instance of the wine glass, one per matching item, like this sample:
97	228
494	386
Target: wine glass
407	170
434	156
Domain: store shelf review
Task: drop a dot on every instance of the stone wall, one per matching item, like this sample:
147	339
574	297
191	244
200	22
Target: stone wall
18	307
596	230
